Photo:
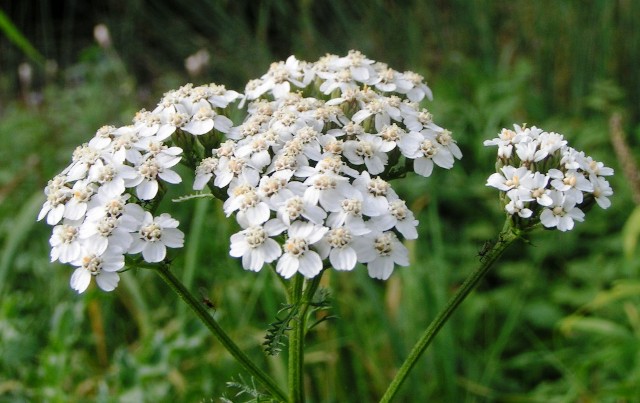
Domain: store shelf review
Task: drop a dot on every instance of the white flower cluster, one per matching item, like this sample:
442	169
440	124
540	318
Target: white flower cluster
94	204
304	173
313	167
546	180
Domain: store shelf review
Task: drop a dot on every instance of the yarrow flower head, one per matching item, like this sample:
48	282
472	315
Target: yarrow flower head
545	181
307	178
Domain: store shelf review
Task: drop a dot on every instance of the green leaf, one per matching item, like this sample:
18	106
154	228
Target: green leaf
15	36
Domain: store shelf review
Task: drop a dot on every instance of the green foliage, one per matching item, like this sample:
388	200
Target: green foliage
277	333
556	320
18	39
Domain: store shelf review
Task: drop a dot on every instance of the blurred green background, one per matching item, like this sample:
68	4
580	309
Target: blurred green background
557	320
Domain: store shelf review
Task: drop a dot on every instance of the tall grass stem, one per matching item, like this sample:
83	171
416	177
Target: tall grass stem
507	236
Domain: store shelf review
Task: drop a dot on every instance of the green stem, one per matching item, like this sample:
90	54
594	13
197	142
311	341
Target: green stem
296	344
204	315
507	236
298	331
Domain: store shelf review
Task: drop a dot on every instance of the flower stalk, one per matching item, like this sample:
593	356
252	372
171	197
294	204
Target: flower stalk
296	344
206	318
506	238
303	299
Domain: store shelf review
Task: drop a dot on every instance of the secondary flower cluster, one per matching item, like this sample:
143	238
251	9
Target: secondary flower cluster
544	179
95	203
305	173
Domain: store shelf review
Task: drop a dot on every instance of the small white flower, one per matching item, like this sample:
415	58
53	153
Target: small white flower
398	216
417	90
65	243
601	191
562	213
381	252
204	119
123	146
550	142
255	247
517	206
103	267
529	152
105	232
111	176
297	256
324	189
251	210
382	109
596	168
415	120
347	210
155	236
58	193
146	123
148	172
376	194
534	187
424	148
277	189
571	182
369	150
76	207
220	97
505	141
338	243
204	172
103	137
296	208
230	168
84	157
509	179
172	119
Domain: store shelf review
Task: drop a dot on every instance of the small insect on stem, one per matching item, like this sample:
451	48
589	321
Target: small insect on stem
205	299
486	247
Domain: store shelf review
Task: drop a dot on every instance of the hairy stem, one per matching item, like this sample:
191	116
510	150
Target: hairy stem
298	332
206	318
296	345
506	237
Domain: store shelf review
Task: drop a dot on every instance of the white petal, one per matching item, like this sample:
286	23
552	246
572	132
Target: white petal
238	248
271	250
252	261
201	180
154	252
222	123
310	264
400	254
173	238
343	258
423	166
548	219
375	165
147	189
170	176
165	131
166	221
380	268
80	280
287	266
108	281
56	214
198	127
